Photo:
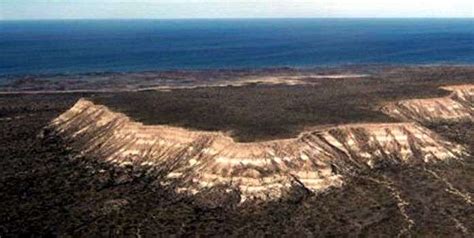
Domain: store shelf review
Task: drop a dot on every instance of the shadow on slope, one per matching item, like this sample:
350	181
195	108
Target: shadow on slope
49	189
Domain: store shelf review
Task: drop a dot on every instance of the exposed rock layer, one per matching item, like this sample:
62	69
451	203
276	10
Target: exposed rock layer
260	169
458	106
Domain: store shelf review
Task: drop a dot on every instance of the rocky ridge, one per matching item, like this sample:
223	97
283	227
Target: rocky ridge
458	106
315	160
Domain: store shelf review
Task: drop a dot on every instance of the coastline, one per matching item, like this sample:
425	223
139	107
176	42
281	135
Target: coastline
109	82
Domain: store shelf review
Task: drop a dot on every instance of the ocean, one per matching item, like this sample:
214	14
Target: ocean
78	46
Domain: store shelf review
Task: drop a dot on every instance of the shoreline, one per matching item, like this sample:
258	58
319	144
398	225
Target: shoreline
238	69
112	82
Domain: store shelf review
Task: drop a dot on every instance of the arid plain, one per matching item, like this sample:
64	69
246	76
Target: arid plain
330	151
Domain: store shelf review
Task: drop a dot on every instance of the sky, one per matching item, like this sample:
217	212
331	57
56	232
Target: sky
164	9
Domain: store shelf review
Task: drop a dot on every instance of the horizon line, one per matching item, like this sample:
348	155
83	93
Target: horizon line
235	18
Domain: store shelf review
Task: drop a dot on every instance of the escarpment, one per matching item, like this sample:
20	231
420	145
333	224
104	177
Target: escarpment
458	106
315	159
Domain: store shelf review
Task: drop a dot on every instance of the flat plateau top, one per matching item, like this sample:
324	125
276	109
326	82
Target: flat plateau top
271	107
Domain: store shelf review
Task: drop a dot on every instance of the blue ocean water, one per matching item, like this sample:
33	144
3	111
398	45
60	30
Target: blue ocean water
135	45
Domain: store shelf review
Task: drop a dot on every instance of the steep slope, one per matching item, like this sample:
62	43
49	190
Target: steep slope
315	159
458	106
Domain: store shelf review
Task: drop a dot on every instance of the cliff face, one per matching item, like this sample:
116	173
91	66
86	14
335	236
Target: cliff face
458	106
315	159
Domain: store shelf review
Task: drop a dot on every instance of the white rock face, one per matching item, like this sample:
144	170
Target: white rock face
458	106
259	169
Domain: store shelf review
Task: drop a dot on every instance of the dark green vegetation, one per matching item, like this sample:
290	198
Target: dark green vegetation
47	188
141	80
261	112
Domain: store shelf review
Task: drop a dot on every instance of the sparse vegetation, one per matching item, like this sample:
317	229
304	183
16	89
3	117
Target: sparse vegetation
262	112
47	188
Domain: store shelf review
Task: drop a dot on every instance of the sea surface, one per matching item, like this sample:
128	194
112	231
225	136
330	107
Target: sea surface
72	46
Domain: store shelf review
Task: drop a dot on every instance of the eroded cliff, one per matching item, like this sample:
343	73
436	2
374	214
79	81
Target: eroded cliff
458	106
315	159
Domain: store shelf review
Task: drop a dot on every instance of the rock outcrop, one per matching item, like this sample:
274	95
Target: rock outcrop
315	160
458	106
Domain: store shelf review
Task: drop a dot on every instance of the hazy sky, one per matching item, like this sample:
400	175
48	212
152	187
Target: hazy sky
73	9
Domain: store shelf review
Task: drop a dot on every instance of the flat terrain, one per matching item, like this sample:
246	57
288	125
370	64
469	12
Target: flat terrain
260	111
48	188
